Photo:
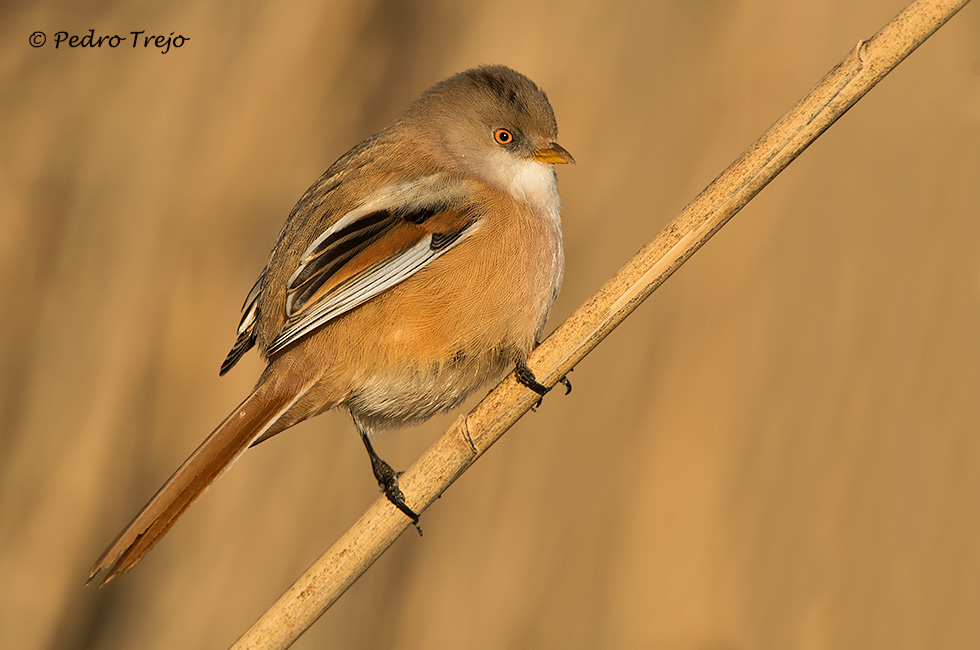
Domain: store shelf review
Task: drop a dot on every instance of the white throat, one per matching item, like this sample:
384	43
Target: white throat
535	183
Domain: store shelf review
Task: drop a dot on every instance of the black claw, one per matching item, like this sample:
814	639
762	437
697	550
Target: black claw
567	384
526	377
388	482
397	499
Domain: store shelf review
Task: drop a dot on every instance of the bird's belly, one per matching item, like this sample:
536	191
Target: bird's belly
416	393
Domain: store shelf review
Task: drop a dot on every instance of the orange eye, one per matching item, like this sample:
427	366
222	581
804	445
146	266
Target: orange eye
503	136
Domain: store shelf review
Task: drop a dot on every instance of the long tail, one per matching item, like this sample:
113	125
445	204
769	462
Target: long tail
253	418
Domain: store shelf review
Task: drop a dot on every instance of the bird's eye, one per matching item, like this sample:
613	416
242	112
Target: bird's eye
503	136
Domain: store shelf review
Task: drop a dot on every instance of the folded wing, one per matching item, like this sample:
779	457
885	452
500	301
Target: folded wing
392	235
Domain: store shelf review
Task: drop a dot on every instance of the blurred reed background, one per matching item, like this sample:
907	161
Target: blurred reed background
779	450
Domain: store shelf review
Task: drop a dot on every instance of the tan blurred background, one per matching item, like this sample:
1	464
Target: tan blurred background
779	450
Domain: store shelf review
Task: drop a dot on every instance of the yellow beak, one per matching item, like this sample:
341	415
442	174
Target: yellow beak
554	154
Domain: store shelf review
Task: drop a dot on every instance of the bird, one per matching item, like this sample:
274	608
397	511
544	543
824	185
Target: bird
420	266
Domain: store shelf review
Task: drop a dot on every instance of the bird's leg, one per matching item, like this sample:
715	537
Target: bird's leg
388	480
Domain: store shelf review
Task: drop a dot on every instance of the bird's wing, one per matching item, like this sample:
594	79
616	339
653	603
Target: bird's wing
391	235
246	328
384	241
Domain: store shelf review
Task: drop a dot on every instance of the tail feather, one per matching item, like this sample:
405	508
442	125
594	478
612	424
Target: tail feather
253	418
